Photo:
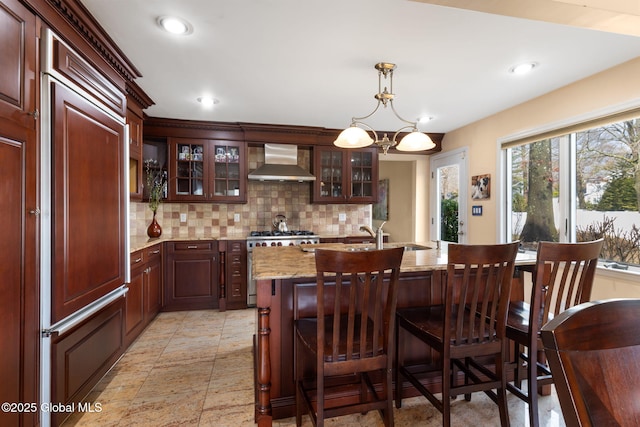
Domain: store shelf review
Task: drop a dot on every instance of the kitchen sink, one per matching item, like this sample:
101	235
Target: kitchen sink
360	248
415	247
407	248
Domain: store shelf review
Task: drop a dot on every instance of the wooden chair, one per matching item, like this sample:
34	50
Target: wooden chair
468	326
350	337
563	277
594	353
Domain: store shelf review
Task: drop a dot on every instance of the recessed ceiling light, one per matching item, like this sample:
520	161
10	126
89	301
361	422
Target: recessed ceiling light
523	68
174	25
207	101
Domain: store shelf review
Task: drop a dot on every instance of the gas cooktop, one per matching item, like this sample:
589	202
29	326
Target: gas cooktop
276	233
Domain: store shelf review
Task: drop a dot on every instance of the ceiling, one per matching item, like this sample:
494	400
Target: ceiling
311	63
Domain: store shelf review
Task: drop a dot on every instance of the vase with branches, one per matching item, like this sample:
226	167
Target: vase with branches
156	186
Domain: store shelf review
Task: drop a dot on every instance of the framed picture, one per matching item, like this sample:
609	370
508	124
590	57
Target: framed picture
381	209
481	187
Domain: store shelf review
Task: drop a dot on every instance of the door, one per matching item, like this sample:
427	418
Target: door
449	196
20	213
18	262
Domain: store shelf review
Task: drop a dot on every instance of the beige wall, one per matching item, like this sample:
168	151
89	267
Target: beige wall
409	196
400	224
602	93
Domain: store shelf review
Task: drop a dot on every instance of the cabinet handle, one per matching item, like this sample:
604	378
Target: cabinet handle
192	247
137	260
35	212
157	251
35	114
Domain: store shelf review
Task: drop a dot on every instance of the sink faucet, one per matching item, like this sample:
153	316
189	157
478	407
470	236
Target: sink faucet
377	235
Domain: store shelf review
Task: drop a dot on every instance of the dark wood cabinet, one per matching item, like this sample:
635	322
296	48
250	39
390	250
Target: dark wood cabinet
18	64
233	255
86	199
134	303
137	101
345	176
207	170
67	200
364	239
87	170
188	170
81	356
20	213
191	275
88	203
144	297
153	284
136	185
331	239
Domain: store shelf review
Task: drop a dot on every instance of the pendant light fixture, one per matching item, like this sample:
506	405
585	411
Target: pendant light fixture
356	137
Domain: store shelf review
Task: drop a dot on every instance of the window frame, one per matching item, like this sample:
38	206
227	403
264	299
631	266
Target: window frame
567	179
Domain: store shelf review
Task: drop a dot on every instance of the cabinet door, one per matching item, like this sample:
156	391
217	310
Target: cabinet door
153	290
19	175
17	63
229	175
331	166
135	155
88	202
155	155
188	169
236	274
363	176
153	282
191	277
134	305
346	176
19	309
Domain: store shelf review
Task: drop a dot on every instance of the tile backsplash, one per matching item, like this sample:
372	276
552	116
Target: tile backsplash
265	200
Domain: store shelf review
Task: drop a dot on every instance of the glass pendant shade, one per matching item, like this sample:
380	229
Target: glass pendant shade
353	137
415	141
356	137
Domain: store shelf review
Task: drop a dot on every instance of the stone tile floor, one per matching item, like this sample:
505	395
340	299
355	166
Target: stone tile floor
195	369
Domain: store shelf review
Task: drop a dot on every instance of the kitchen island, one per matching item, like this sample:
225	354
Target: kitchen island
282	272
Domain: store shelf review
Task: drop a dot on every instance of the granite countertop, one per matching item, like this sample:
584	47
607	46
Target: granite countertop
288	262
142	242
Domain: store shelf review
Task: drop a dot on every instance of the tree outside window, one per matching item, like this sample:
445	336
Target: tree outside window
604	177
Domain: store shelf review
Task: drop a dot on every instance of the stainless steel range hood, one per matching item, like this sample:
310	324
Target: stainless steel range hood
281	164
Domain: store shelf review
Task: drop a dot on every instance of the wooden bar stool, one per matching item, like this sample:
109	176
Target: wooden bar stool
563	277
350	339
467	328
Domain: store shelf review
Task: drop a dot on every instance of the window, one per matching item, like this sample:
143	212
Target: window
579	185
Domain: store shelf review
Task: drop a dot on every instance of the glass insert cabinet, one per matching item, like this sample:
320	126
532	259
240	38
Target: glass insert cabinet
346	176
207	170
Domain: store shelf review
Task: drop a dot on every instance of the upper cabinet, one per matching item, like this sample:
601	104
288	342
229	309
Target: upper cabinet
137	101
229	176
18	64
188	169
135	155
207	170
345	176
